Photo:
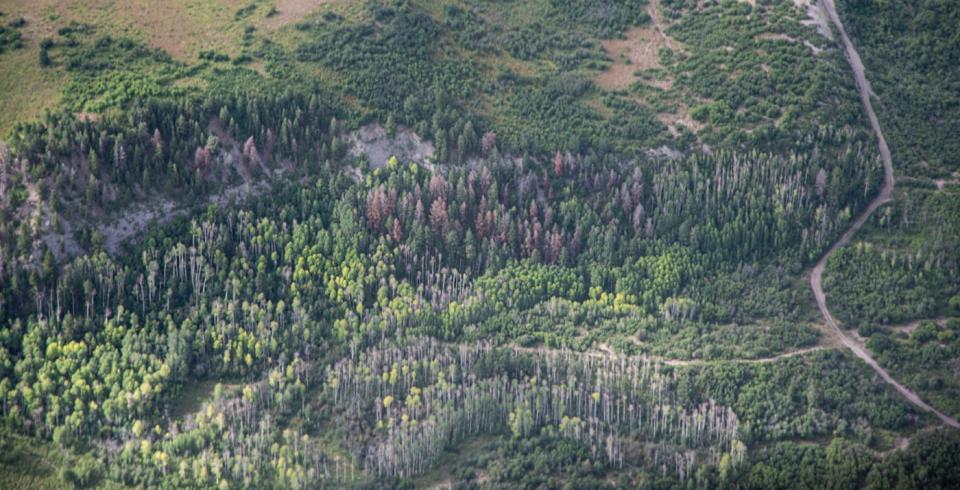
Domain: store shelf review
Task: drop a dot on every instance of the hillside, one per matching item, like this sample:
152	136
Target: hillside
479	243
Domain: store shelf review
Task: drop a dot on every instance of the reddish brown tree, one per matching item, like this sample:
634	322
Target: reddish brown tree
397	232
438	215
489	142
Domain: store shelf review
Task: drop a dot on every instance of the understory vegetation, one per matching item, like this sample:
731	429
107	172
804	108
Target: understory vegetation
911	48
10	36
900	290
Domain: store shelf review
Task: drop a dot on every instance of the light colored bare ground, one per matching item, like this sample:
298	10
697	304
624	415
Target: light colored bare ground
128	223
293	11
827	340
482	478
941	183
762	360
33	195
680	118
777	36
816	17
604	351
908	328
815	49
901	442
659	24
233	155
258	66
600	107
87	116
642	48
373	142
133	220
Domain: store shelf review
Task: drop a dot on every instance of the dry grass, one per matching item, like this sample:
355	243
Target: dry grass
639	54
26	463
775	36
772	36
182	28
293	11
680	118
26	89
640	51
601	108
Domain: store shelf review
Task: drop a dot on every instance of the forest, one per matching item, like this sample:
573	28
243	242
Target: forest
207	281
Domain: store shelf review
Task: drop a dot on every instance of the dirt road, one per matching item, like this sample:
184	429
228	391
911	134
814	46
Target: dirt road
604	351
886	191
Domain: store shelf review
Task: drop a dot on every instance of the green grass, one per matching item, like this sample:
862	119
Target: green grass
28	90
925	360
907	270
193	396
180	28
906	264
26	463
511	64
468	449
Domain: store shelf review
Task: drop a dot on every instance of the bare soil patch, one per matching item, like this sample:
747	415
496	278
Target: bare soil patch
679	118
908	328
653	10
292	11
373	142
638	52
816	17
87	116
777	36
942	183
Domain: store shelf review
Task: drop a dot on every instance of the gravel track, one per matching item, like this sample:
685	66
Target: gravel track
885	194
